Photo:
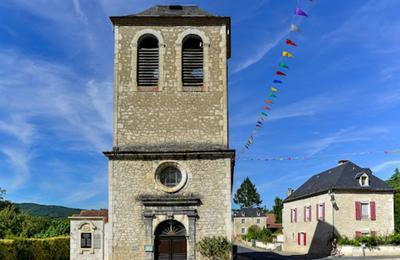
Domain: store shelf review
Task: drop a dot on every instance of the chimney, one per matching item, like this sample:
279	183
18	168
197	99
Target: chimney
340	162
289	191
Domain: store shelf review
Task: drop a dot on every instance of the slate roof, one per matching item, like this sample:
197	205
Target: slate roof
173	10
342	177
249	213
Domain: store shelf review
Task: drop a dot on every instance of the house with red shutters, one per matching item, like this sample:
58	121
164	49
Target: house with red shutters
346	200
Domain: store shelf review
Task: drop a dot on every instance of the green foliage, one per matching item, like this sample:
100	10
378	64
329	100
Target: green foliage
46	210
255	232
394	182
51	248
215	248
3	202
247	196
371	241
277	209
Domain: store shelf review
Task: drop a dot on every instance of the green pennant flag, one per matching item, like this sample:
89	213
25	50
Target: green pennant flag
265	114
272	95
283	65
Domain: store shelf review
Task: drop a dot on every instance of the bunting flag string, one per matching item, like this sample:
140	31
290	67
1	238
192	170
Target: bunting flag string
282	71
386	152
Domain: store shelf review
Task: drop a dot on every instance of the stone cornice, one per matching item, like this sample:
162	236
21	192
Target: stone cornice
170	155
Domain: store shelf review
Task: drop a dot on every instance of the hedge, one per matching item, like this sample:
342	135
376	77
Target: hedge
56	248
371	241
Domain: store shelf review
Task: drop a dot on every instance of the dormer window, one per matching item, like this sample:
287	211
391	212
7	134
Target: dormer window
364	180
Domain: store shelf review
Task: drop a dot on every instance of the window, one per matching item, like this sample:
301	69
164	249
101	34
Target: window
293	215
307	213
243	230
242	220
192	61
86	240
321	211
258	221
302	239
364	180
170	177
364	210
147	61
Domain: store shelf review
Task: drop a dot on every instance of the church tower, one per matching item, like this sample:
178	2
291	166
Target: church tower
170	169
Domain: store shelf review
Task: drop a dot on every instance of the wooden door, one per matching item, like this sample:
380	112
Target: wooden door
170	248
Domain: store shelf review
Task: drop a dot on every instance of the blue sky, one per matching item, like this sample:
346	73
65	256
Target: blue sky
341	96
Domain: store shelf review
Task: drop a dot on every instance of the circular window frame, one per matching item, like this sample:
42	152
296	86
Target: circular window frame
176	188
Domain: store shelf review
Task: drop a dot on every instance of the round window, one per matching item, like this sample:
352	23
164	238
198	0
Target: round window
170	177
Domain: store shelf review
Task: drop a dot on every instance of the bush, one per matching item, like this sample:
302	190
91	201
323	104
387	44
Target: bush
255	232
371	241
215	248
32	249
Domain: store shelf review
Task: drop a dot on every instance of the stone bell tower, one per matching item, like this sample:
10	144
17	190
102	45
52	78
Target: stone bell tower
170	169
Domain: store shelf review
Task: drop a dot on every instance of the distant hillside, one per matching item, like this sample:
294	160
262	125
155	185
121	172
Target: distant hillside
46	210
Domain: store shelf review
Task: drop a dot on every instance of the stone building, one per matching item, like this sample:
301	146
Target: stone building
346	200
247	217
88	238
170	169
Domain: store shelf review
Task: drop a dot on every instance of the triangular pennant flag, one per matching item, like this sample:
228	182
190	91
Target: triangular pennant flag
259	122
261	118
294	28
299	12
272	95
287	54
290	42
266	108
277	81
268	101
282	65
258	126
274	89
280	73
265	114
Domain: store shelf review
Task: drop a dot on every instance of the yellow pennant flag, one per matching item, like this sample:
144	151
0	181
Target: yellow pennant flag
287	54
274	89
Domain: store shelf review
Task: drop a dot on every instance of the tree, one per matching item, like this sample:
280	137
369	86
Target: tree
277	209
3	202
247	196
394	182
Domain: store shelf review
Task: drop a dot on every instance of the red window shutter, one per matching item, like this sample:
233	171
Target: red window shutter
305	214
298	238
305	239
316	212
373	210
323	211
358	234
358	210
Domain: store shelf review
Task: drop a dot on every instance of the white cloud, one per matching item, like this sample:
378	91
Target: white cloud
19	159
386	165
259	53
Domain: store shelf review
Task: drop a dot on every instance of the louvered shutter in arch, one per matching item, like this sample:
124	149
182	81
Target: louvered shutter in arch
192	61
147	61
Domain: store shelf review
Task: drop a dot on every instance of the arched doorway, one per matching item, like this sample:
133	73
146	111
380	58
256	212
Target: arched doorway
170	241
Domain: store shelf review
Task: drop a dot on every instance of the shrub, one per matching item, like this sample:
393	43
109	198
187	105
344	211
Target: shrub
255	232
32	249
215	248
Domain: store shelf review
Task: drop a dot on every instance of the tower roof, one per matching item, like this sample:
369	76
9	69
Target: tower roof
173	10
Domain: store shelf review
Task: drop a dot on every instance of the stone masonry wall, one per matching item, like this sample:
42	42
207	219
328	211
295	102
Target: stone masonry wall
98	248
169	117
343	220
248	222
129	179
